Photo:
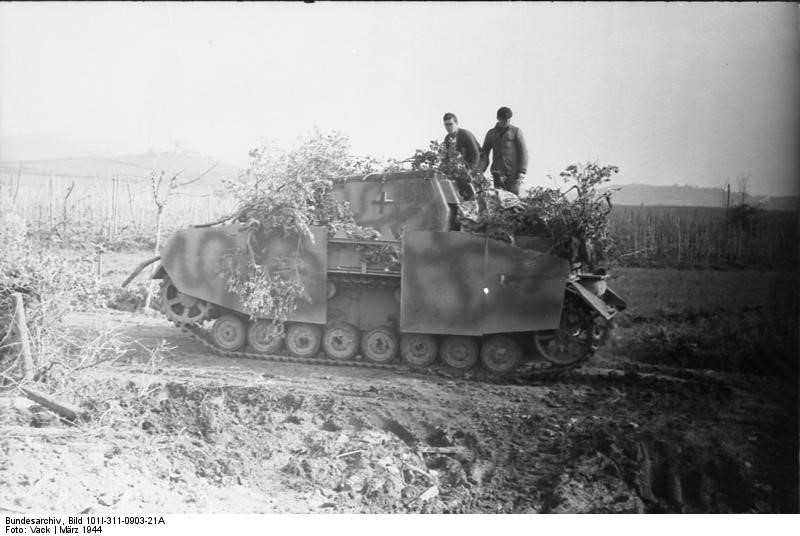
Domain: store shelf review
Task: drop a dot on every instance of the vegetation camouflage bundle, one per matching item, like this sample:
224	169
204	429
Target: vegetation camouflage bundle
288	193
577	219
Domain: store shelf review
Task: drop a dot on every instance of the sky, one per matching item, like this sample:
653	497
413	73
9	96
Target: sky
671	93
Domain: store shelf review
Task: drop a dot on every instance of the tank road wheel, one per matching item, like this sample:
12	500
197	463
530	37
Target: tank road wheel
500	354
181	307
264	337
341	341
417	349
303	340
229	332
459	352
379	345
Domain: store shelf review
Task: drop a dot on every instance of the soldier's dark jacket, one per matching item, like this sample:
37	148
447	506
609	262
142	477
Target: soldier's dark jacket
467	146
510	155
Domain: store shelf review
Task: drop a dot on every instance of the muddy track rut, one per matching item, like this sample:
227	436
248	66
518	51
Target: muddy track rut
209	434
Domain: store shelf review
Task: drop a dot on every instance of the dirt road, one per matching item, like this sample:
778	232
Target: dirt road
200	433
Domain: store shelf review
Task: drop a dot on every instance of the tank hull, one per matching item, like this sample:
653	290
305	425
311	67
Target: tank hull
448	283
452	298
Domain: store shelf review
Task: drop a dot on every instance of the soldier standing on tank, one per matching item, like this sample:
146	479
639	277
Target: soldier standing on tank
509	153
460	141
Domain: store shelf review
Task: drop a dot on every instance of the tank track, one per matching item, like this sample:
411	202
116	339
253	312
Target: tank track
538	370
528	371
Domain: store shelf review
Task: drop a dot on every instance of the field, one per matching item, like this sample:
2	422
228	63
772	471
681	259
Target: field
734	321
173	428
705	237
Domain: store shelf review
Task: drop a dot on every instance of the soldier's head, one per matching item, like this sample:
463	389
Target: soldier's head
450	123
504	116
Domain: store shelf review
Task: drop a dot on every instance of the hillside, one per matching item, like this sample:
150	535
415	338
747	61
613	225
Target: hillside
694	196
130	166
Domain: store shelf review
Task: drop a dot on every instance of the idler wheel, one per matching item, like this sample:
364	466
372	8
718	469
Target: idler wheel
417	349
560	347
500	354
303	340
341	341
181	307
574	340
229	332
264	337
459	352
379	345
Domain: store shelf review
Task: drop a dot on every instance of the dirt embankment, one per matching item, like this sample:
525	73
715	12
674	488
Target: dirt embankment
204	434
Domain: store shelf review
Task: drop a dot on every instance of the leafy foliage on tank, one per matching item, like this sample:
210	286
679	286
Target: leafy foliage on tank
289	193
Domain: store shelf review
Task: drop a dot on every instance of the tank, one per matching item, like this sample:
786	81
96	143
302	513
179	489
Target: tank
455	299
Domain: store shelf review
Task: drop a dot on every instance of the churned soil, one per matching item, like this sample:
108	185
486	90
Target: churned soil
201	433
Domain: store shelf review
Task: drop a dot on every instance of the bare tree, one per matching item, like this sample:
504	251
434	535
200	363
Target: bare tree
162	191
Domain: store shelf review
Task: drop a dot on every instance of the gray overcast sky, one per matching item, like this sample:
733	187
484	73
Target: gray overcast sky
672	93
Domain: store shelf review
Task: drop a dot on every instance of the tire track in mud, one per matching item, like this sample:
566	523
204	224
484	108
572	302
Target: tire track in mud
357	440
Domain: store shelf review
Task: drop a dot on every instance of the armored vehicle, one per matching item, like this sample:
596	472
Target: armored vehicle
454	299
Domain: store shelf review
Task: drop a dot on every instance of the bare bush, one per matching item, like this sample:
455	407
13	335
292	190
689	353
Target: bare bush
52	285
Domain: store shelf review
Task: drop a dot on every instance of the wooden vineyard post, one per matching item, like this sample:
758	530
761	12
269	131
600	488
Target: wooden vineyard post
111	210
65	208
114	207
24	341
16	188
98	261
50	202
131	211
